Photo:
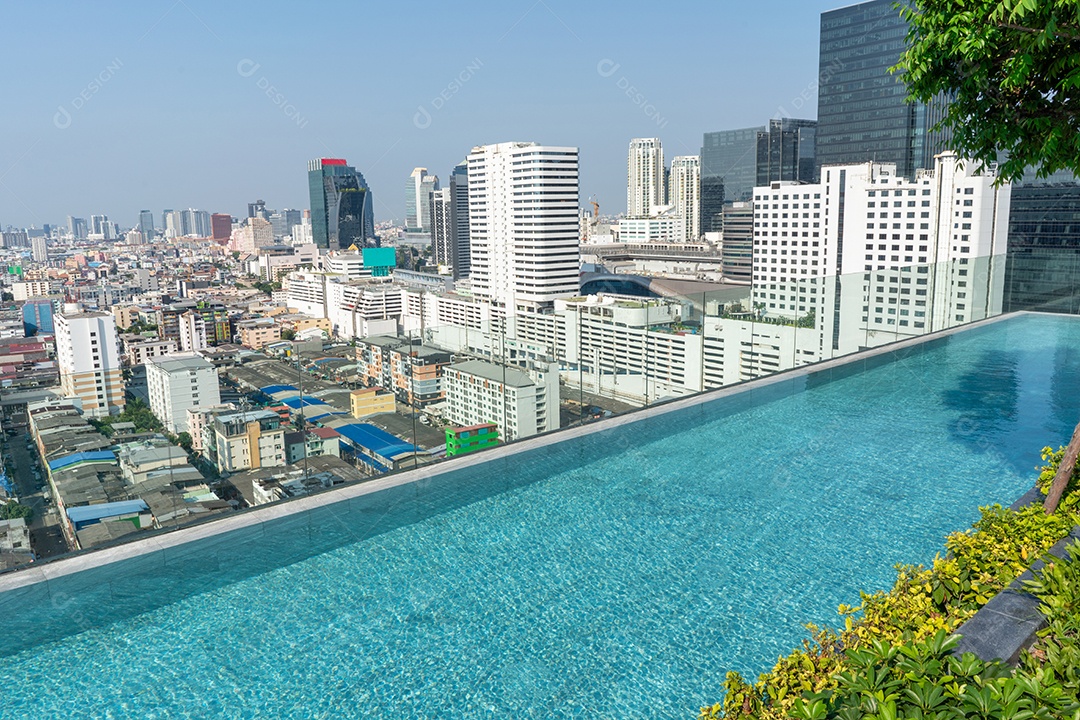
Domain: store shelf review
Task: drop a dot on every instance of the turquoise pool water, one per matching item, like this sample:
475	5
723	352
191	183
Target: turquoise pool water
620	574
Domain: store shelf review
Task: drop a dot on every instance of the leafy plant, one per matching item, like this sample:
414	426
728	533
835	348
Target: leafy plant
923	605
1010	70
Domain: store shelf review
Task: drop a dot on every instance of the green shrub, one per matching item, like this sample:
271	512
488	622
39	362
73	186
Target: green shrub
923	604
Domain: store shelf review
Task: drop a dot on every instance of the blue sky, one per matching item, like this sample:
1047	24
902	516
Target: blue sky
113	107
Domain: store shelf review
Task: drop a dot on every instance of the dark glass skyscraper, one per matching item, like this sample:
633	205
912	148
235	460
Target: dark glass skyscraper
342	212
732	156
786	151
862	111
712	203
1043	260
459	219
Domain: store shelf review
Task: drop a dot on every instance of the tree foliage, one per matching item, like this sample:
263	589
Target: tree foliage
13	511
1011	69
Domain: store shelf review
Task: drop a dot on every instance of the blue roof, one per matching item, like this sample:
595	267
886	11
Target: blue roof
375	439
313	418
295	402
273	389
91	513
96	456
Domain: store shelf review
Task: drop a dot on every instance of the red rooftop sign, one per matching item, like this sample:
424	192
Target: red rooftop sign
333	161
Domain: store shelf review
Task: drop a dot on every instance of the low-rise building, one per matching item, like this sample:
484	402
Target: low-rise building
371	401
312	443
256	334
464	440
246	440
178	382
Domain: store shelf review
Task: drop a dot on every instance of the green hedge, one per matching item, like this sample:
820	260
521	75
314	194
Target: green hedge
912	620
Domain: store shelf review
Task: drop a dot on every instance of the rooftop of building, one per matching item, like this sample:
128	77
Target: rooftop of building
511	377
180	362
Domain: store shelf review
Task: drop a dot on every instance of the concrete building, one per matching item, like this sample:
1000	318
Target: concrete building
370	401
254	234
192	331
88	356
521	402
645	189
404	366
177	383
523	224
247	440
39	249
418	189
918	255
32	288
198	418
684	195
256	334
138	350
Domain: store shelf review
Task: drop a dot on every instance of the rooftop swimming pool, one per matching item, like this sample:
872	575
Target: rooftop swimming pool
616	573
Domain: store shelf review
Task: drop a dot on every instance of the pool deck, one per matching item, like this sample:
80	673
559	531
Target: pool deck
46	571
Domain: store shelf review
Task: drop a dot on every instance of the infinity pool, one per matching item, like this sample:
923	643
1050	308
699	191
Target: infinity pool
617	574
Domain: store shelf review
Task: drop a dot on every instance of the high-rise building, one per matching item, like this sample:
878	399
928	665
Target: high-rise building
737	250
442	232
283	221
731	155
220	226
523	224
342	212
898	255
39	249
863	114
192	223
173	221
100	225
785	151
459	219
712	203
88	357
146	225
258	209
644	177
77	227
178	382
1043	258
685	195
252	235
418	191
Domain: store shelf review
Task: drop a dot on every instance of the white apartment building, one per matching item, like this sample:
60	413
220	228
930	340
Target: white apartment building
522	402
663	227
192	331
684	195
88	357
31	288
177	383
523	224
644	177
914	255
349	264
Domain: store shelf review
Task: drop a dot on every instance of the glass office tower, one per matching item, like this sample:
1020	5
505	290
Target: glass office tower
862	111
342	212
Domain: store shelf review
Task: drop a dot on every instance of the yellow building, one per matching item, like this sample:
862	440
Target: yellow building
257	336
371	401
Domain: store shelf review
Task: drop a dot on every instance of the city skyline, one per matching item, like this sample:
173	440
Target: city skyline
106	117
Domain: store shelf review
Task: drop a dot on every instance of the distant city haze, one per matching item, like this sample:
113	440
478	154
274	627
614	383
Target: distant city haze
122	106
